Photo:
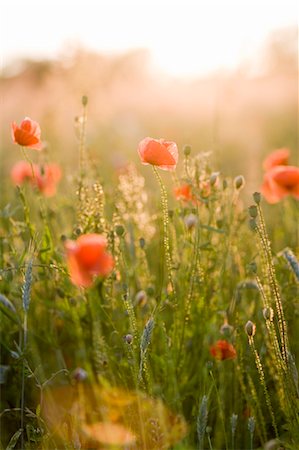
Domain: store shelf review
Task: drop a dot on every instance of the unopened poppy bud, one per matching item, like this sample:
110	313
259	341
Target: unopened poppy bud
257	197
250	328
84	100
142	242
239	182
119	230
150	291
78	231
252	211
268	313
226	329
219	223
252	224
79	374
190	221
128	338
187	150
140	298
214	178
252	267
63	238
224	184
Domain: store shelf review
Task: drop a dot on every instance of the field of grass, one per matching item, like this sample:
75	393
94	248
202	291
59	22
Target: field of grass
146	308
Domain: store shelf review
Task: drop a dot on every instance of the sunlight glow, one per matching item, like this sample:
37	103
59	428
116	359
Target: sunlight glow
184	38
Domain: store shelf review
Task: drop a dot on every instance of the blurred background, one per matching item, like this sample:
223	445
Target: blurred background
221	76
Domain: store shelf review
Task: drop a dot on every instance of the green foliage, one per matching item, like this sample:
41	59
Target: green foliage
185	276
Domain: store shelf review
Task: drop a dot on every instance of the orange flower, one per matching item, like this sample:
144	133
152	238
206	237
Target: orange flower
87	257
22	172
158	152
109	433
45	178
223	350
184	192
279	157
279	182
27	134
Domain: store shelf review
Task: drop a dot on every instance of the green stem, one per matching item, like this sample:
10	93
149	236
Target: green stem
167	254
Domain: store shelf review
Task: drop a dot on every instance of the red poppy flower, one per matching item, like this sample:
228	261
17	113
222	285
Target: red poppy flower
87	258
279	157
279	182
45	177
22	172
184	192
223	350
48	177
158	152
27	134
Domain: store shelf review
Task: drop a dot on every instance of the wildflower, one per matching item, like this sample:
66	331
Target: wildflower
279	182
22	172
279	157
87	257
158	152
223	350
27	134
45	177
184	192
109	434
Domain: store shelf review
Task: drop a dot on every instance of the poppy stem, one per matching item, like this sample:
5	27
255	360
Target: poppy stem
29	162
167	253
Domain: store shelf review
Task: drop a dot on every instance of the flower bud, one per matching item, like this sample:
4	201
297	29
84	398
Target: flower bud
84	100
142	242
214	178
226	329
187	150
190	221
252	224
268	313
79	374
119	230
140	298
252	211
257	197
128	338
250	328
239	182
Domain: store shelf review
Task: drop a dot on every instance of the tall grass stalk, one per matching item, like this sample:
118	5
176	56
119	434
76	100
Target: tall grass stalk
26	290
166	243
263	382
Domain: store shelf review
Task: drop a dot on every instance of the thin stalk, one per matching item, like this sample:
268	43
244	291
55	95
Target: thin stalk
167	253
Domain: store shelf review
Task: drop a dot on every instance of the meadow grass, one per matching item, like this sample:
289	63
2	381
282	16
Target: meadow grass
133	351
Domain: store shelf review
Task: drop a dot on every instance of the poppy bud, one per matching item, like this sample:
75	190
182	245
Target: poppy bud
142	242
79	374
252	224
250	328
187	150
239	182
84	100
268	313
252	211
257	197
128	338
119	230
190	221
214	178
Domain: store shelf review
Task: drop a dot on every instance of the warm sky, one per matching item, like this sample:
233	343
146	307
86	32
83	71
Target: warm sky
184	37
